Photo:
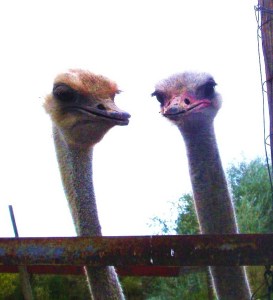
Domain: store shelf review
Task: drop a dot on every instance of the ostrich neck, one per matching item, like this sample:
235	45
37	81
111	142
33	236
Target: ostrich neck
214	206
76	172
213	203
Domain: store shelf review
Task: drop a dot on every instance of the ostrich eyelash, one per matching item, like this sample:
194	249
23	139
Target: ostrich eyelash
207	90
159	96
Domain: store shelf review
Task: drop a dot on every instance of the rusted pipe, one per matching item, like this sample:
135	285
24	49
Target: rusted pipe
183	250
161	271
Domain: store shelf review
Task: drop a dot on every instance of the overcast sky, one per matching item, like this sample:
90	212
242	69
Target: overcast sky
141	168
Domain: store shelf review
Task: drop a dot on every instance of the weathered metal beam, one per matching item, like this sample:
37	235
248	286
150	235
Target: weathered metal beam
179	250
46	269
162	271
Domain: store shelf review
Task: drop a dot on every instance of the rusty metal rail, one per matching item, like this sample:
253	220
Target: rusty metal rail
130	254
162	271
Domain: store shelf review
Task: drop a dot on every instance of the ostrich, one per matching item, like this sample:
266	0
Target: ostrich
189	101
82	110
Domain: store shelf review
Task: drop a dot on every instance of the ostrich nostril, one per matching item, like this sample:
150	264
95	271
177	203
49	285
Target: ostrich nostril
101	107
187	101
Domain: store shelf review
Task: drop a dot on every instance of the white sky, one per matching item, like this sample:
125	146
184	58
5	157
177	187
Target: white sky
140	168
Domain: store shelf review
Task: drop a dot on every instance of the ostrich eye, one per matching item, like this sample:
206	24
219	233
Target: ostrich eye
160	97
207	90
64	93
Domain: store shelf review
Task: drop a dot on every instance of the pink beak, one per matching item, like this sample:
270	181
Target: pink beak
183	103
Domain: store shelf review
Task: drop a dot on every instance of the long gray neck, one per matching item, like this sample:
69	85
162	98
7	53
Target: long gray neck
213	203
214	206
76	172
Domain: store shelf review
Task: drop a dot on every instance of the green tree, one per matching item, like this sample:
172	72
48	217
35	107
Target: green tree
133	288
10	287
45	287
252	196
57	287
186	222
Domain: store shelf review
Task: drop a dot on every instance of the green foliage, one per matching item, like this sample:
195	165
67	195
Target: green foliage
192	286
54	287
253	203
162	226
133	288
45	287
9	287
252	196
186	222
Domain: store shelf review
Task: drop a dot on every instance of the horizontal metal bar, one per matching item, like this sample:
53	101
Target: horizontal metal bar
46	269
162	271
178	250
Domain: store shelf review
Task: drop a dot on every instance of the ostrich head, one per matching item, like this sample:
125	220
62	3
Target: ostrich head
188	99
81	105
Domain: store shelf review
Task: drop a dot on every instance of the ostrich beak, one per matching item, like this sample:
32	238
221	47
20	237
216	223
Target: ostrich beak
183	103
118	114
105	109
108	109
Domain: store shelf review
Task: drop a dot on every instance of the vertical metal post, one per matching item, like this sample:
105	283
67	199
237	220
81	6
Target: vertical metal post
266	11
23	274
13	221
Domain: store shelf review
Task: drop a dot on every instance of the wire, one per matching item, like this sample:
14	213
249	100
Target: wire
268	274
259	9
